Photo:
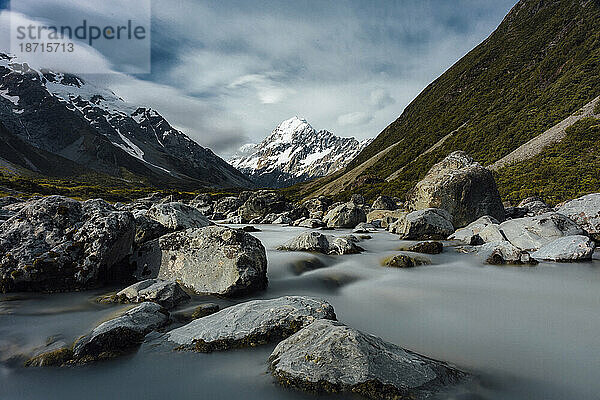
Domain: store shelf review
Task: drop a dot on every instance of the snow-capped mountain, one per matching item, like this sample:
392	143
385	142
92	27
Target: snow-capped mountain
295	152
59	125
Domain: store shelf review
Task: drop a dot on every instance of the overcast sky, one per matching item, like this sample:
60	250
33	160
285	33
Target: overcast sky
227	72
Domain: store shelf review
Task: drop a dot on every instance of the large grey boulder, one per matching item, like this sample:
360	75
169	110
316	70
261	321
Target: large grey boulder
177	216
328	356
252	323
503	252
468	233
311	223
261	203
531	233
364	227
565	249
227	205
346	215
317	207
166	293
119	335
585	211
147	229
460	186
212	260
432	223
320	243
58	244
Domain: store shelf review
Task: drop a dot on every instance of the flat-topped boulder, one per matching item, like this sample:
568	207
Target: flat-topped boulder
566	249
211	260
166	293
531	233
177	216
330	357
585	211
460	186
250	324
432	223
58	244
318	242
119	335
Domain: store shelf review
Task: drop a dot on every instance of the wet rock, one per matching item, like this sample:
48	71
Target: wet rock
460	186
565	249
468	233
53	355
585	211
58	244
328	356
166	293
318	242
428	247
305	265
199	311
212	260
250	229
250	324
119	335
385	203
501	253
404	260
177	216
531	233
364	227
346	215
431	224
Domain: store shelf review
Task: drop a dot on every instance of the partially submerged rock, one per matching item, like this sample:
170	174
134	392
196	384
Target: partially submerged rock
119	335
166	293
251	324
565	249
53	355
585	211
460	186
311	223
502	253
320	243
427	247
364	227
328	356
432	223
58	244
211	260
531	233
177	216
404	260
346	215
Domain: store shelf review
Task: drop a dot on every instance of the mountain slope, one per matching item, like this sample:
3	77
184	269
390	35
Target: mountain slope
295	152
91	127
541	65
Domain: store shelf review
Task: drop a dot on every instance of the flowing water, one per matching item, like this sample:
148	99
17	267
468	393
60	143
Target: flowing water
524	332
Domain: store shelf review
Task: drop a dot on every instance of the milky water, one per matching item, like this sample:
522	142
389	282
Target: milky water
524	333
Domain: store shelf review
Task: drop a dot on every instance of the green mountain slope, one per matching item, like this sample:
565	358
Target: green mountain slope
540	66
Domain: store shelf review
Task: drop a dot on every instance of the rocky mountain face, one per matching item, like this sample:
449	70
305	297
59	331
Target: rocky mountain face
295	152
537	73
57	124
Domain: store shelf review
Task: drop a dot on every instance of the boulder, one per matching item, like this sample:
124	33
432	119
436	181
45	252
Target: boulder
211	260
585	211
320	243
227	205
385	216
385	203
565	249
311	223
262	203
491	233
177	216
427	247
119	335
166	293
364	227
531	233
346	215
404	260
328	356
282	220
432	223
468	233
534	206
250	324
317	207
59	244
460	186
202	310
52	355
357	199
501	253
147	229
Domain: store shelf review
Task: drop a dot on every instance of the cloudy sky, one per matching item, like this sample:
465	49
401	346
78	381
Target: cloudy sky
227	72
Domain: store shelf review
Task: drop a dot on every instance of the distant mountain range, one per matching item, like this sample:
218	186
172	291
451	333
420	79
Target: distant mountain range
59	125
516	103
295	152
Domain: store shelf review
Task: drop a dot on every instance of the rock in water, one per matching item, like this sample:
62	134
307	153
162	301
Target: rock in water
346	215
468	233
460	186
328	356
428	247
177	216
405	261
431	223
211	260
501	253
320	243
120	334
585	211
252	323
166	293
58	244
567	248
531	233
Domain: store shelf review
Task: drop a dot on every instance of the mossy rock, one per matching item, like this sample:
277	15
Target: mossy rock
403	260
